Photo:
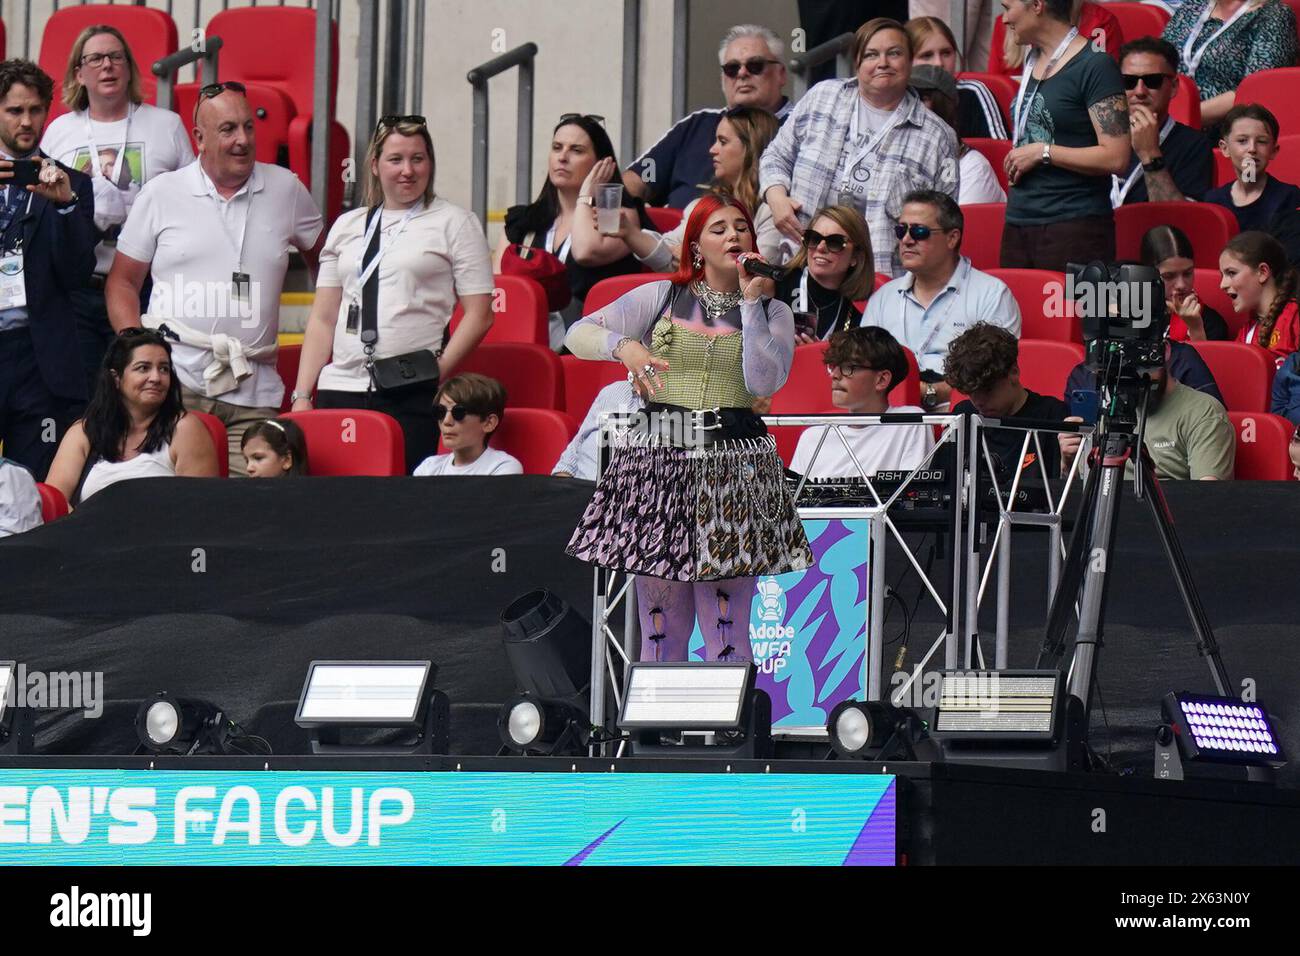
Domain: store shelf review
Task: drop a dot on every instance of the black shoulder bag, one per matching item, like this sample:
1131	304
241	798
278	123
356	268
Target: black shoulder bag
398	372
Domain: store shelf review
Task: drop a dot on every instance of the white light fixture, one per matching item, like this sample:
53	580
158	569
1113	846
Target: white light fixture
715	697
338	695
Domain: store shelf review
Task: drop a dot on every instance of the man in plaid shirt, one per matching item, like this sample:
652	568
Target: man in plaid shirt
864	142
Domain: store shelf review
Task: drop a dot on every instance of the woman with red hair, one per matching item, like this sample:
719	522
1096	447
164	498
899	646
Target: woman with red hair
694	500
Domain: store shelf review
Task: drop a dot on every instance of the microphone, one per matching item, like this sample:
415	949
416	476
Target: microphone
756	266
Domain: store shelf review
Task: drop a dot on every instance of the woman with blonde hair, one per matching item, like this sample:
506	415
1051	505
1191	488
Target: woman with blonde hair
978	112
391	273
832	273
121	142
1095	22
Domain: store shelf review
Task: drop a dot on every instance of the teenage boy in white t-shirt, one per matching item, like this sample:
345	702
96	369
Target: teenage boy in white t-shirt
864	365
469	408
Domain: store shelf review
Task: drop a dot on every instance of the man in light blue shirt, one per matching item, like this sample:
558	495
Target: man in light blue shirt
942	294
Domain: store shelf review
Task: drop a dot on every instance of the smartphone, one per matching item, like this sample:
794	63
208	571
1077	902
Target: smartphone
805	323
1085	403
27	172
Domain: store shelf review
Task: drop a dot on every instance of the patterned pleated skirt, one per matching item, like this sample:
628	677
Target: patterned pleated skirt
708	513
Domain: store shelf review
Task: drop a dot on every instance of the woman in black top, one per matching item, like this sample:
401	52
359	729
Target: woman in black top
1168	250
582	156
832	271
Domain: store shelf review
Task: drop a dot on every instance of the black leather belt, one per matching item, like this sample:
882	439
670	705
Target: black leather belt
679	425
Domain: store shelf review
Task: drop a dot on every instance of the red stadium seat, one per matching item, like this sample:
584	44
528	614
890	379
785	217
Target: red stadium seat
1207	225
1275	89
150	33
1139	19
1244	373
1285	165
787	440
1206	286
532	374
351	441
1185	107
1046	366
1039	292
995	151
607	290
219	441
536	436
1262	446
982	238
53	505
583	380
522	316
909	392
273	112
1003	88
665	218
286	363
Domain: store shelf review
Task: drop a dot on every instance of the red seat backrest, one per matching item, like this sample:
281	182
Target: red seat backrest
1185	107
151	35
351	441
1263	441
665	218
995	151
53	505
607	290
1244	373
217	431
1046	312
274	46
273	111
286	364
1139	19
1206	285
1208	226
982	238
1046	366
531	374
536	436
522	316
1276	90
583	380
1003	88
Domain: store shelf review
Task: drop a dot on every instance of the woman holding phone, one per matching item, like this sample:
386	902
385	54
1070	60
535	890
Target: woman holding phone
830	274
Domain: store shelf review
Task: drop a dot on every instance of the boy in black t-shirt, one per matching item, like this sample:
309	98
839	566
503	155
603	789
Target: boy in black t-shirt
983	362
1250	135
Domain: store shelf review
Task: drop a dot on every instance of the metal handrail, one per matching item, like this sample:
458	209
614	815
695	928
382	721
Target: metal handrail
167	68
804	63
522	57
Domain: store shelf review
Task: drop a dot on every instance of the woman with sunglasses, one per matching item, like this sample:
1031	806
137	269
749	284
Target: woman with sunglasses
694	502
391	273
863	142
121	142
135	425
832	273
743	133
581	158
1168	250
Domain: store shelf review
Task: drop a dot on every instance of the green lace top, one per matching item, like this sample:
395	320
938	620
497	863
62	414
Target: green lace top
704	371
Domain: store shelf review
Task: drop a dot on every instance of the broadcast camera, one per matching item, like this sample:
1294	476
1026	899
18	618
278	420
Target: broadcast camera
1122	311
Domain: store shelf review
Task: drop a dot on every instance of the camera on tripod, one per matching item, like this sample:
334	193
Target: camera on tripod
1121	308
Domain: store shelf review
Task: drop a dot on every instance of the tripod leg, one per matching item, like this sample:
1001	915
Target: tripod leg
1206	645
1067	589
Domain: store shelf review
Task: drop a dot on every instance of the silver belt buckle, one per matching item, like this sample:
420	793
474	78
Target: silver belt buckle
698	419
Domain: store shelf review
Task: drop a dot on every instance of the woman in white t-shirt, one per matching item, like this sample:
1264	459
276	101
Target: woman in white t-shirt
121	143
419	256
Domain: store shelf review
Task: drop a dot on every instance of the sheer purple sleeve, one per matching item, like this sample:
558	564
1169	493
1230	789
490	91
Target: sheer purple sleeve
630	316
768	345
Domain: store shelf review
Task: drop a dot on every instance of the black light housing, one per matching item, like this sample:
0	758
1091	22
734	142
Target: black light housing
16	733
534	725
168	724
714	697
872	730
1223	737
397	697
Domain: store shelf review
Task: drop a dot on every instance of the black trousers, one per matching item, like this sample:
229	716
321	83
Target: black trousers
94	333
412	407
32	418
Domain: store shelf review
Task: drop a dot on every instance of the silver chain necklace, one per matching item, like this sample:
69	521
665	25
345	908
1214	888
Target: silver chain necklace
715	304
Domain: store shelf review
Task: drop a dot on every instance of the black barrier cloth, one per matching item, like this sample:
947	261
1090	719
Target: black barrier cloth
227	589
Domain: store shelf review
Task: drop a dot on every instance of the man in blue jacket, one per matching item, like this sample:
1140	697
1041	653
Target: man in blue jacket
47	249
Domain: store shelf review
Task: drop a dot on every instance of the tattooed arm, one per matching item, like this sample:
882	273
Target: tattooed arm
1111	154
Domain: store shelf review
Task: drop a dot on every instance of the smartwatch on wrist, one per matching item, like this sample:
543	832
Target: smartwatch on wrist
929	395
1047	154
1154	166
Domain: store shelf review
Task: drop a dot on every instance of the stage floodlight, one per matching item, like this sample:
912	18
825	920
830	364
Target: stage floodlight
549	647
715	697
16	734
373	695
176	725
1216	737
872	730
531	725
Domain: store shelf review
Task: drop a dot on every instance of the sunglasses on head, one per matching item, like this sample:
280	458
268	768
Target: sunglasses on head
915	230
1153	81
570	117
213	90
754	66
457	411
392	122
812	239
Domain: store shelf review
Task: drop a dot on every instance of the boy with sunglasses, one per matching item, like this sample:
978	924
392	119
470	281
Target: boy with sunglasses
1170	162
469	408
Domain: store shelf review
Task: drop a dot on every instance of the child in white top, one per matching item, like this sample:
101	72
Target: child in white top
469	408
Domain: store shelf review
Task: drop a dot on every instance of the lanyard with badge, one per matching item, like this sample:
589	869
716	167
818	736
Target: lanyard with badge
856	173
805	301
364	272
939	323
241	284
13	288
1119	189
1193	60
1023	101
95	167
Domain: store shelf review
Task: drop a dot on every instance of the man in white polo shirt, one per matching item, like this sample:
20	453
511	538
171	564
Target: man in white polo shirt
942	294
216	236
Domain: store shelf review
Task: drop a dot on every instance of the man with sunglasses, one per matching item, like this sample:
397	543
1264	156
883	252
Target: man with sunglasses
1171	162
672	171
942	294
216	236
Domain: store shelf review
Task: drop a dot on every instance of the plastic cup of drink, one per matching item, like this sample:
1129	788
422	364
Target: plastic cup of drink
609	200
